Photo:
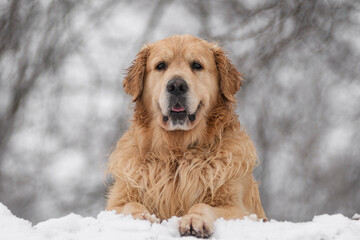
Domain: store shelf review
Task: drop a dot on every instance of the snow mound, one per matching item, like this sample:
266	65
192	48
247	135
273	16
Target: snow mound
108	225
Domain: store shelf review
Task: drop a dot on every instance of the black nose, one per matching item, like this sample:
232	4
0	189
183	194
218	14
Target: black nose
177	86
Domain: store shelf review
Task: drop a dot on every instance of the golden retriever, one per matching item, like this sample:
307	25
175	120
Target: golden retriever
185	153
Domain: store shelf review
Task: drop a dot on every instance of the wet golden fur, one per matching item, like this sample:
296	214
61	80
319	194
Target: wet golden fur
200	174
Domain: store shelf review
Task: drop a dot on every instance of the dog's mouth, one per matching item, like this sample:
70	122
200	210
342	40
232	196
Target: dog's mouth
179	113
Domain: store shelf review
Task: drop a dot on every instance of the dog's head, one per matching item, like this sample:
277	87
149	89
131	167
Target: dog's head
180	79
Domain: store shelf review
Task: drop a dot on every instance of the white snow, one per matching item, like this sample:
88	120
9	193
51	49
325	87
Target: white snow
108	225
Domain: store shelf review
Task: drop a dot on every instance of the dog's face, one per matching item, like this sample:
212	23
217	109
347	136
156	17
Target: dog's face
179	80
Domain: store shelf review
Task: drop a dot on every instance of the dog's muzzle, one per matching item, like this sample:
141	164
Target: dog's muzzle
177	90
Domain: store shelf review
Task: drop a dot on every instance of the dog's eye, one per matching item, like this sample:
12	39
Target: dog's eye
196	66
160	66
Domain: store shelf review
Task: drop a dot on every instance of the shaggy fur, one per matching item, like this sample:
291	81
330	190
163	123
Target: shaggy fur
200	174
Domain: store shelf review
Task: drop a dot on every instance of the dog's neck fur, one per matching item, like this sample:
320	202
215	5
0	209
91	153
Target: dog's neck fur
160	141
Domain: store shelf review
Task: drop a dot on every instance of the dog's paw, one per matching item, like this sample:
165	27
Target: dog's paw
146	216
196	225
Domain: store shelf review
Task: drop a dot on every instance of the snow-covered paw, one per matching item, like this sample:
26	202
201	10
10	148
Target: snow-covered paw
196	225
146	216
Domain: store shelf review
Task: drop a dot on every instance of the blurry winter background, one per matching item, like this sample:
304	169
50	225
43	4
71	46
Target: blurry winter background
62	106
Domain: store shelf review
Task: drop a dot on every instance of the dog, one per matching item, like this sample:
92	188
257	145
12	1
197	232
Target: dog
185	153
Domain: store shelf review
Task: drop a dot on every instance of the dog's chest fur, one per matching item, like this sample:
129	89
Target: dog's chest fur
169	187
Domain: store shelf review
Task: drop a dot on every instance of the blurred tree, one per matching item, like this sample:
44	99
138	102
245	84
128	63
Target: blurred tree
27	53
35	39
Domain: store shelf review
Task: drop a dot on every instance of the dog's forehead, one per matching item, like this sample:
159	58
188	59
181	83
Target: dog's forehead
180	47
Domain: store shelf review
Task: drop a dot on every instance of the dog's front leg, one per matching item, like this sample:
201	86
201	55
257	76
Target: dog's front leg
137	210
199	221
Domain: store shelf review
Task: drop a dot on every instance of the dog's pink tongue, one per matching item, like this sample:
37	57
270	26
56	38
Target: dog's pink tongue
177	108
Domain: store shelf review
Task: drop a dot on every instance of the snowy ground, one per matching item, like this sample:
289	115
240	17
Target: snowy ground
108	225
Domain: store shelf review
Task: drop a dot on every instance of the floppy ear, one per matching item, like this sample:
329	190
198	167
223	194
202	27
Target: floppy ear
134	80
230	78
